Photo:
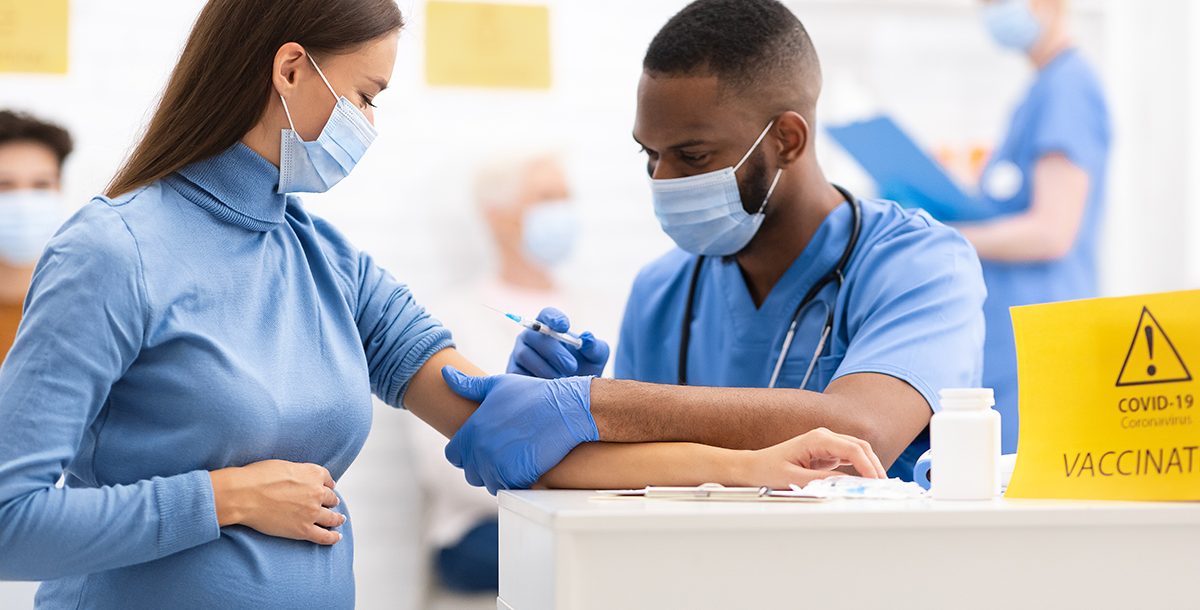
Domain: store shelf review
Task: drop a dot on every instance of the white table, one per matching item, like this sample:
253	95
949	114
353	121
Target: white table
565	550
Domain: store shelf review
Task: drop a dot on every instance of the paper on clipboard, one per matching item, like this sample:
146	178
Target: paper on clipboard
817	490
903	172
712	492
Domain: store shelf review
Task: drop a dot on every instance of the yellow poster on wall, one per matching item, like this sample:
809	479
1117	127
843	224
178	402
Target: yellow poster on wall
480	44
1108	398
33	36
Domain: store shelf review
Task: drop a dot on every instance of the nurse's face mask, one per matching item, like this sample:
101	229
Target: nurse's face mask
314	167
1012	24
704	214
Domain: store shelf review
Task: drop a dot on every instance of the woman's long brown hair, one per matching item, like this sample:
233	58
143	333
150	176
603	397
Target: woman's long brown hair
221	85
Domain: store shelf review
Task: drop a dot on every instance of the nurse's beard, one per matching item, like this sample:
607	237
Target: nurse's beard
755	183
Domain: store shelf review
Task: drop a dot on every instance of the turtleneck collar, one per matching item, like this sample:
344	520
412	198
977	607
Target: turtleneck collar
237	186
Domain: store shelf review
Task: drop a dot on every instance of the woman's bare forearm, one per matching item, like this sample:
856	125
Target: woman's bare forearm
432	401
796	461
636	465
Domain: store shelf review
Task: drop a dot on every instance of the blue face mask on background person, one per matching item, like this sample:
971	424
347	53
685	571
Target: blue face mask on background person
548	232
704	214
28	219
1012	24
314	167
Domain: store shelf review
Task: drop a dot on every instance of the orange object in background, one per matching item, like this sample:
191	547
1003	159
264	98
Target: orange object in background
979	156
10	318
963	163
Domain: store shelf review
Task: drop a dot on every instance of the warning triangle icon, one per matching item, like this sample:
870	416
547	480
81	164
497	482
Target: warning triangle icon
1151	358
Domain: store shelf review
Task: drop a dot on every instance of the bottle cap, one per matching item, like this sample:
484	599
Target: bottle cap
967	398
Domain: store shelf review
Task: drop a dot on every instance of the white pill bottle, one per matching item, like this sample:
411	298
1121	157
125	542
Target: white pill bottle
965	443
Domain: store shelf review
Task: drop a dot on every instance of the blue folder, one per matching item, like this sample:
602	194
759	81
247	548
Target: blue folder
903	172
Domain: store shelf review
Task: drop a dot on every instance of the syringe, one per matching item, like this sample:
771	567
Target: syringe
539	327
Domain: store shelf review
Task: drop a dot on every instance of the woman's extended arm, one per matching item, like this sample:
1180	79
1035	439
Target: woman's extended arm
430	399
811	455
407	351
622	465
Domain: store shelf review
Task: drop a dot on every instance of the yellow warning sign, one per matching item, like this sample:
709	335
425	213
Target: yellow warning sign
1082	435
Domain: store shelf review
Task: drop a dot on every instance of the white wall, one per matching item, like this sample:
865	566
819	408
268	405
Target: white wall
888	53
1191	71
1154	81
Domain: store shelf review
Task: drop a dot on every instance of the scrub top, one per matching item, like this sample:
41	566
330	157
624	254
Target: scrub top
911	308
1063	113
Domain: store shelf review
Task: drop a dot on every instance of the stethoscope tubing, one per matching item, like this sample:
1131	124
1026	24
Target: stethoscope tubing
837	274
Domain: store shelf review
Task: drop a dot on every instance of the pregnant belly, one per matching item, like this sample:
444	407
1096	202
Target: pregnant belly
241	569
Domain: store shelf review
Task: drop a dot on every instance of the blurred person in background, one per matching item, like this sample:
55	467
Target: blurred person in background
532	224
1044	184
524	200
32	153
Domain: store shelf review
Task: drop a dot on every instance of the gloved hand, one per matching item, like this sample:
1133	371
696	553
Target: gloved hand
523	427
538	355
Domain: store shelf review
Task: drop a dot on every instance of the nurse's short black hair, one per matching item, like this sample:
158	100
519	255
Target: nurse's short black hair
744	43
21	127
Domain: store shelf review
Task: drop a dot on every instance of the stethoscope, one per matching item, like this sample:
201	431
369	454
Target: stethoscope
836	275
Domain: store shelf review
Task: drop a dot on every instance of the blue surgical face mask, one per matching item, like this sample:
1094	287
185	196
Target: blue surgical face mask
704	214
28	219
1012	24
314	167
548	232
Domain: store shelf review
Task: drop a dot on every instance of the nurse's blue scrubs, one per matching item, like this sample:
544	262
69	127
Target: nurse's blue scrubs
911	308
1063	113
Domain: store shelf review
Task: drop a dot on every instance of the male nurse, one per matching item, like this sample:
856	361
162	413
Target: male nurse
1044	184
788	305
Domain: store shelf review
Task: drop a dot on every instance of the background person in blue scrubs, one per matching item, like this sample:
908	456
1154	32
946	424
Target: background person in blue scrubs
1045	185
906	323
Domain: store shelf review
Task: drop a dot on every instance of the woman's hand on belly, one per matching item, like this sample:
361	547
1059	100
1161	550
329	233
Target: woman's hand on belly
279	498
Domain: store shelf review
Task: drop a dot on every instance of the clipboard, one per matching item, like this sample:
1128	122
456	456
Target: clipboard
903	172
712	492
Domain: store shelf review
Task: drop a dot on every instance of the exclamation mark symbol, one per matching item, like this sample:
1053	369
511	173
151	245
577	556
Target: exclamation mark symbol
1150	370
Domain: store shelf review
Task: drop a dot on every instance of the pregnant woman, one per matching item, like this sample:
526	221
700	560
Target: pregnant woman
198	352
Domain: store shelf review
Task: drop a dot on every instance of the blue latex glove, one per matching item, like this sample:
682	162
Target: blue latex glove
523	427
538	355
